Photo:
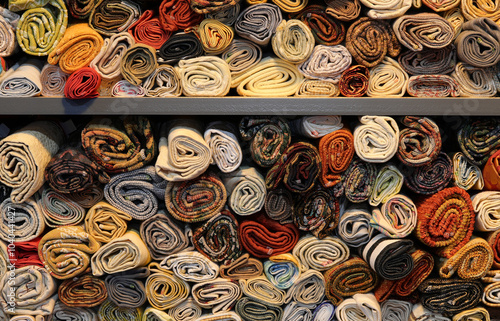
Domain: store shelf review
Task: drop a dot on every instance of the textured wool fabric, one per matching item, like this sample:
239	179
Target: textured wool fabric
126	289
326	63
62	312
433	86
206	76
465	174
354	81
479	313
474	81
396	310
479	42
386	9
222	139
25	221
317	212
77	48
211	6
344	10
354	226
252	310
108	311
297	312
241	55
246	189
396	218
25	253
359	181
163	289
219	294
316	126
8	24
82	291
191	266
89	197
419	313
58	209
358	308
490	172
348	278
308	290
138	63
293	41
155	314
214	36
325	29
387	184
179	46
22	80
163	82
105	222
66	251
109	17
188	310
336	151
263	237
480	9
376	138
107	62
486	206
478	139
439	6
262	289
147	30
320	255
83	83
419	142
387	79
226	15
282	270
123	88
429	61
243	267
431	177
175	15
434	214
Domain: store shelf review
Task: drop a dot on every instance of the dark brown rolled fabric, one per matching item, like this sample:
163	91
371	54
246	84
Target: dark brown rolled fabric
369	41
325	29
479	43
419	142
180	46
126	289
317	212
209	6
359	181
344	10
354	81
243	267
429	61
431	177
83	291
279	205
80	9
113	16
258	22
432	86
479	139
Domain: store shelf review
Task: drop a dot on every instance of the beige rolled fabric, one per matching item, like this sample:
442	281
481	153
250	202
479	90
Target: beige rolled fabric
479	43
388	183
8	25
243	267
58	209
376	138
293	41
491	294
207	76
432	86
326	63
108	60
121	254
309	289
317	88
360	307
163	289
163	82
487	207
475	82
320	255
222	138
246	189
354	226
123	88
420	313
481	9
442	5
105	222
241	55
465	174
475	314
456	19
380	9
191	266
188	310
344	10
27	219
152	314
53	81
4	258
214	36
396	218
396	310
220	294
388	79
261	289
22	80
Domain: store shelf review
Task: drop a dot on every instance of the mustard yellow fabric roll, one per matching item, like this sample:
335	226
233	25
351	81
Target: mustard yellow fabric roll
291	5
105	222
214	36
138	63
472	9
455	18
164	290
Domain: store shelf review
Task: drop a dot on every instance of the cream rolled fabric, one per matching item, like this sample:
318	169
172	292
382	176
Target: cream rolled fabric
387	79
191	266
246	188
219	294
376	138
326	63
188	310
108	60
261	289
271	77
26	218
354	226
479	42
121	254
320	255
206	76
487	207
105	222
223	141
419	313
475	314
152	314
481	9
163	289
308	290
4	258
241	55
475	82
221	316
163	82
317	88
53	81
360	307
27	318
293	41
396	218
22	80
297	312
396	310
124	88
465	174
316	126
388	9
456	19
8	25
63	312
388	183
183	152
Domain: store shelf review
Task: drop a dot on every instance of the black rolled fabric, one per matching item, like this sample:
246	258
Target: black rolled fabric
178	47
126	289
431	177
478	139
4	192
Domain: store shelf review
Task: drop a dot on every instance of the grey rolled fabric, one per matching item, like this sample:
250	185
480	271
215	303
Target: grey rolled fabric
223	141
241	55
308	290
8	24
126	289
475	82
63	312
191	266
226	15
396	310
108	60
163	82
246	190
429	61
354	226
22	80
326	63
258	22
320	255
479	43
59	210
188	310
220	294
27	219
297	312
53	81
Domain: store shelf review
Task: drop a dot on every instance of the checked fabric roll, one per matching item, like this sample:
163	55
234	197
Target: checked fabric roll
388	183
258	22
431	177
163	82
219	294
26	220
326	63
222	138
138	63
419	142
112	16
262	290
282	270
396	218
336	151
59	210
429	61
326	30
108	61
320	255
317	212
359	181
83	83
163	289
376	139
126	289
354	226
53	81
204	76
191	266
432	86
465	174
246	189
293	41
243	267
478	139
178	47
105	222
83	291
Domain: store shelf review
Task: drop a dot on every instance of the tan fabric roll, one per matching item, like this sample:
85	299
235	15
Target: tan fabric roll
204	76
388	79
163	289
344	10
188	310
472	9
246	190
222	138
479	43
261	289
376	139
53	81
105	222
317	88
27	218
320	255
108	60
243	267
380	9
476	314
326	63
241	55
293	41
455	18
487	207
163	82
8	24
220	294
191	266
214	36
475	82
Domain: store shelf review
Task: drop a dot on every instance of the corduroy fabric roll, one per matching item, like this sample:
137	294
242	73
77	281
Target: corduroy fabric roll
481	9
191	266
320	255
108	61
148	30
163	289
478	139
441	5
121	254
241	55
479	42
396	310
263	290
475	82
343	10
359	181
138	63
433	86
419	142
479	313
219	238
316	126
222	139
110	17
83	291
326	63
430	178
293	41
466	175
246	189
354	226
26	220
336	151
178	47
214	36
317	88
387	9
175	15
77	48
387	184
83	83
419	313
326	30
358	308
387	79
163	82
206	76
308	290
155	315
126	289
108	311
29	292
53	81
317	212
58	209
258	22
89	197
220	294
62	312
429	61
263	237
491	172
354	81
105	222
188	310
297	312
252	310
376	138
486	206
226	15
434	216
123	88
25	253
396	218
8	25
22	80
243	267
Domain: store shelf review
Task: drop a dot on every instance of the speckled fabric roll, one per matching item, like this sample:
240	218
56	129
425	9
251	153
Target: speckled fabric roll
320	255
258	22
433	86
419	141
376	138
359	181
326	30
354	226
326	63
430	178
293	41
83	291
126	289
478	139
475	82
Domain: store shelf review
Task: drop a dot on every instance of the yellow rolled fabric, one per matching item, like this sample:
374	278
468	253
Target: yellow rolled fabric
241	55
205	76
105	222
191	266
27	218
108	61
317	88
293	41
475	82
261	289
188	310
376	139
221	316
8	24
53	81
476	314
309	289
108	311
388	79
152	314
163	82
219	294
138	63
163	289
380	9
320	255
291	5
388	183
465	174
77	48
472	9
441	5
121	254
214	36
326	63
455	18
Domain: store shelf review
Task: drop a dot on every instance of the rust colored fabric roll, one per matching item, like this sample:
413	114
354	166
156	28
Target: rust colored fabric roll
264	237
317	212
148	30
113	16
445	221
491	172
336	151
209	6
429	61
243	267
354	81
369	41
138	63
433	86
419	142
279	205
326	30
478	139
344	10
80	9
83	83
26	253
178	15
84	291
493	239
431	177
359	181
479	43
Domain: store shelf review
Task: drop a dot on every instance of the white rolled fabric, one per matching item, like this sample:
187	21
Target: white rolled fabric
8	25
474	81
219	294
22	80
123	88
261	289
487	208
191	266
388	183
419	313
246	188
387	79
297	312
308	290
222	139
220	316
188	310
316	126
376	139
388	9
320	255
354	226
361	307
27	219
326	63
397	218
396	310
466	175
208	76
108	60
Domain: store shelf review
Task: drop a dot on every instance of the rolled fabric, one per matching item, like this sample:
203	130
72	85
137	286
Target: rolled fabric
354	226
246	189
309	289
105	222
163	289
429	61
30	291
59	210
486	208
293	41
241	55
243	267
291	6
466	175
80	9
455	17
478	43
222	139
317	88
354	81
123	88
316	126
421	313
156	315
25	253
320	255
387	184
110	17
262	290
25	221
4	258
376	138
219	238
8	25
360	307
88	197
263	237
324	311
138	63
491	295
265	152
62	312
369	41
359	181
326	30
317	212
106	89
344	10
472	10
419	141
479	313
175	15
219	294
396	310
490	172
53	81
206	76
281	270
387	9
191	266
439	6
450	296
125	289
252	310
183	153
163	82
397	217
148	30
108	311
188	310
180	46
83	83
83	291
431	177
136	192
107	62
121	254
22	80
226	15
296	312
388	79
214	36
433	86
77	48
258	22
221	316
478	139
336	151
475	82
450	204
326	63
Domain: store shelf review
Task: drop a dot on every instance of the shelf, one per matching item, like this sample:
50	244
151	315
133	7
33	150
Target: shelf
251	106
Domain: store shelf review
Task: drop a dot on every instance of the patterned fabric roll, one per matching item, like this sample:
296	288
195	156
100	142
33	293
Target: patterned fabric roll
188	310
8	25
123	88
107	62
433	86
191	266
354	226
262	290
491	172
178	47
211	5
281	270
220	294
126	289
241	56
387	184
317	212
358	308
258	22
429	61
66	251
156	315
252	310
227	15
336	151
386	9
475	82
113	16
243	267
263	237
326	30
59	210
177	15
108	311
324	311
431	177
320	255
62	312
396	218
83	291
293	41
25	253
478	139
481	9
138	63
354	81
219	238
486	207
22	80
83	83
479	42
420	313
105	222
316	126
147	30
450	204
326	63
419	141
359	181
317	88
26	220
222	139
246	189
163	82
53	81
121	254
396	310
480	314
297	312
77	48
204	76
89	197
388	79
376	139
308	290
456	19
298	168
344	10
466	175
214	36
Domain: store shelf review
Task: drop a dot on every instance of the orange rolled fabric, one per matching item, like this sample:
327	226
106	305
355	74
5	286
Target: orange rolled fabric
494	241
336	151
178	15
83	83
148	30
354	81
491	172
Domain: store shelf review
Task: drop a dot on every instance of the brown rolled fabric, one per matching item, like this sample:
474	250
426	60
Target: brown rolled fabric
481	9
80	9
105	222
214	36
325	29
258	22
429	61
243	267
317	88
369	41
138	63
474	81
344	10
83	291
178	15
479	43
336	151
419	142
432	86
89	197
279	205
209	6
354	81
126	289
109	17
443	5
53	81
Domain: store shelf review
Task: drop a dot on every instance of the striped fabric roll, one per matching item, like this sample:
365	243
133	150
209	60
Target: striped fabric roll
261	289
465	174
433	86
281	270
220	294
320	255
388	183
376	138
396	218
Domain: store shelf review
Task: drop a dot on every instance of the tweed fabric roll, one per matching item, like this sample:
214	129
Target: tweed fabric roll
191	266
25	221
486	208
317	88
204	76
247	190
478	139
62	312
296	312
83	83
466	175
354	226
293	41
336	151
53	81
107	62
281	270
431	177
147	30
219	294
163	82
421	313
326	63
387	79
396	218
478	313
436	211
105	222
241	55
479	42
258	22
354	81
175	15
138	63
475	82
481	9
433	86
89	197
419	141
214	36
326	30
252	310
386	9
387	184
66	251
429	61
222	139
8	25
308	290
343	10
126	289
226	15
124	88
263	290
320	255
178	47
83	291
316	126
376	139
396	310
359	307
188	310
22	80
109	17
243	267
59	210
108	311
317	212
155	315
359	181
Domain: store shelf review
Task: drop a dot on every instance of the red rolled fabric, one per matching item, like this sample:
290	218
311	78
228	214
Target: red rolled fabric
336	151
354	81
491	172
149	31
177	14
263	237
26	253
83	83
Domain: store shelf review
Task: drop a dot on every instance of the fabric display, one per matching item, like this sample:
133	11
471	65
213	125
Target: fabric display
29	219
181	46
112	16
387	79
282	270
83	291
59	210
163	82
123	88
8	24
108	61
247	190
204	76
396	218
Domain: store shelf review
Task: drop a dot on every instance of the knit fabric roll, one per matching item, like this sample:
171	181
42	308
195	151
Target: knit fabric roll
53	81
336	151
387	79
317	212
430	178
359	181
188	310
386	9
214	36
326	30
486	208
324	311
126	289
163	289
343	10
227	15
175	15
83	83
66	251
429	61
138	63
479	313
59	210
359	307
26	220
421	313
479	42
108	311
475	82
147	30
89	197
434	216
205	76
62	312
83	291
241	55
396	218
22	80
354	81
316	126
317	88
376	139
308	290
433	86
419	141
163	82
293	41
123	88
478	139
178	47
466	175
481	9
296	312
219	238
247	190
25	253
258	22
155	314
8	25
326	63
109	17
77	48
320	255
450	297
252	310
243	267
396	310
354	226
107	62
387	184
281	270
191	266
264	237
121	254
105	222
369	41
263	290
439	6
222	139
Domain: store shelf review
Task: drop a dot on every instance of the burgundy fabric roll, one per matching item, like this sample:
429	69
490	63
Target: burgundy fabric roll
83	83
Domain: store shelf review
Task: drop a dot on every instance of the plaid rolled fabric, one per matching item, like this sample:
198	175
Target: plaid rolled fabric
479	42
293	41
474	81
396	218
178	47
188	310
386	131
354	81
220	294
386	10
387	184
191	266
308	290
126	289
325	29
148	30
419	141
354	226
108	311
429	61
241	56
243	267
387	79
359	181
433	86
63	312
138	63
320	255
28	216
251	310
344	10
205	76
178	15
360	306
281	270
317	88
466	175
8	24
258	22
109	17
108	61
83	291
336	151
431	177
478	139
326	63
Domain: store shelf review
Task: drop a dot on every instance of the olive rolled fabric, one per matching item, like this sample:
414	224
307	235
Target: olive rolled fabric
354	226
478	139
326	63
109	17
396	310
222	139
317	212
241	55
108	61
387	9
320	255
163	82
474	81
326	30
281	270
59	210
243	267
126	289
138	63
147	30
188	310
163	289
246	189
53	81
83	291
359	181
419	142
105	222
25	221
485	206
430	178
191	266
466	175
8	24
309	289
62	312
387	79
376	138
175	15
108	311
258	22
219	294
354	81
317	88
66	251
396	218
433	86
388	183
360	307
252	310
343	10
336	151
429	61
181	46
293	41
479	42
205	76
83	83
